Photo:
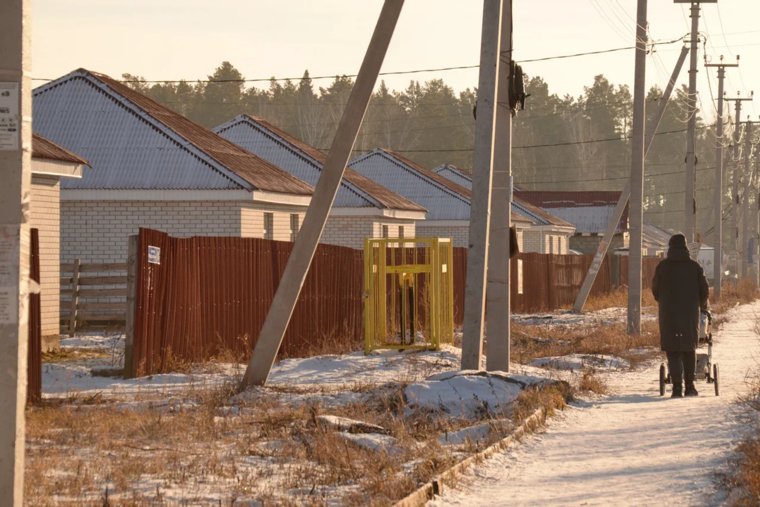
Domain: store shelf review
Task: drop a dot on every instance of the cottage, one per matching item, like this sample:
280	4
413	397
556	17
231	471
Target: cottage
50	164
151	167
448	203
588	211
362	208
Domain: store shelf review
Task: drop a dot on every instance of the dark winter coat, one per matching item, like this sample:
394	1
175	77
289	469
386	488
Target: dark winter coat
680	288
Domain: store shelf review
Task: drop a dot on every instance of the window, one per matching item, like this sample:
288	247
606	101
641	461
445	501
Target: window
385	231
268	225
294	218
400	231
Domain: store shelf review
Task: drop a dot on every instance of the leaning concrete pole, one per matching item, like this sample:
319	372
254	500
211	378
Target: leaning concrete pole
276	322
625	194
15	175
637	172
718	190
497	298
477	254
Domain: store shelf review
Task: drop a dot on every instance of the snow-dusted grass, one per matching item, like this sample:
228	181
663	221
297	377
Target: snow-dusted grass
305	438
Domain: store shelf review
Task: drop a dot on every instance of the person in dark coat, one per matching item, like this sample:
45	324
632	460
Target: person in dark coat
680	288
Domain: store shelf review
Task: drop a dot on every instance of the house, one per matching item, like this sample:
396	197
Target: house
151	167
588	211
448	204
362	208
50	164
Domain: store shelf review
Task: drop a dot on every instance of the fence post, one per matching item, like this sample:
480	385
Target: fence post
74	297
131	308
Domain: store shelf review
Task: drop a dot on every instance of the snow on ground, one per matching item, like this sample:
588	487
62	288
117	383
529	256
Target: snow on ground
632	447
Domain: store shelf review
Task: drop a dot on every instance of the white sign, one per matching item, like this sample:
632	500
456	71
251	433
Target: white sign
10	120
154	255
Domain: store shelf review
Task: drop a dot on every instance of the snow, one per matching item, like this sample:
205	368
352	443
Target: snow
632	447
577	362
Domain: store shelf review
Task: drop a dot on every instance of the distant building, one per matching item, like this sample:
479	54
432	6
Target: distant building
362	208
588	211
152	167
448	204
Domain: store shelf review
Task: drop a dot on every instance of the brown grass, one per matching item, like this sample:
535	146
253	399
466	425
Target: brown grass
617	298
590	382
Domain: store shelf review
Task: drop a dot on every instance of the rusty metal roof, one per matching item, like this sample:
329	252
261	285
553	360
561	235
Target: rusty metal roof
136	143
306	162
46	149
588	210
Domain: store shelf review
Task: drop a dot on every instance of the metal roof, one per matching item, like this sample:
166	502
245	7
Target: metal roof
454	174
444	199
133	142
589	211
46	149
306	162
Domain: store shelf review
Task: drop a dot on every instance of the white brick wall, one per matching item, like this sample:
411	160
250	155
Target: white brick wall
45	216
97	231
351	231
458	235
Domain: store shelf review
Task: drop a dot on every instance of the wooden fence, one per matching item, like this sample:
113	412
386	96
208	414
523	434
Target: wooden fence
92	294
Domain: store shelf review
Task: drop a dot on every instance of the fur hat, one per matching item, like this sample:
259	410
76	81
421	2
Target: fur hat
677	241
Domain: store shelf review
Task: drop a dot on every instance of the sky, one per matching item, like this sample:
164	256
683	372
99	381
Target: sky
188	39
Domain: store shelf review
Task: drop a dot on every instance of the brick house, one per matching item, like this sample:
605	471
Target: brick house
151	167
448	203
50	164
362	208
588	211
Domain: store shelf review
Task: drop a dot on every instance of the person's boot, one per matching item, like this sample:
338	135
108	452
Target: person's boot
691	390
677	392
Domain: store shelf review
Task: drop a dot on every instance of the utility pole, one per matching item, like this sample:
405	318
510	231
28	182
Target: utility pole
734	244
756	219
718	258
482	180
285	298
637	172
748	182
497	293
625	194
690	206
15	168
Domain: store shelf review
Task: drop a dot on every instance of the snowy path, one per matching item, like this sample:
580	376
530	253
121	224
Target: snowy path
632	447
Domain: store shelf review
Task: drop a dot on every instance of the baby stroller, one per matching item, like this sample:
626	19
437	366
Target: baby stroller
705	367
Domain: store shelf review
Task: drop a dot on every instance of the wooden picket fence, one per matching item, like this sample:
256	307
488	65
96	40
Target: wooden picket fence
92	294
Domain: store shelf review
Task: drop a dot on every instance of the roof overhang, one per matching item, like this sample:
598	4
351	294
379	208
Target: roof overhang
81	194
376	212
49	167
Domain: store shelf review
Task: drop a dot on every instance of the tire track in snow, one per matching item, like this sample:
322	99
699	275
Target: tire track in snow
632	447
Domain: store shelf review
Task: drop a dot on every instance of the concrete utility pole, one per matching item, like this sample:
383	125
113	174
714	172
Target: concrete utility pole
482	174
756	219
637	172
498	296
745	199
690	205
734	243
15	168
718	258
276	322
625	194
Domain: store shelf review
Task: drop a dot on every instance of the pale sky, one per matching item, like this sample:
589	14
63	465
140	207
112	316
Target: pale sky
188	39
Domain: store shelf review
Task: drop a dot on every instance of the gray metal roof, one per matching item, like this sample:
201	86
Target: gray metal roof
132	142
305	162
454	174
443	202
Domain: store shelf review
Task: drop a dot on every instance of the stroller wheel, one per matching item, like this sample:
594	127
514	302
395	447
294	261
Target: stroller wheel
662	379
715	379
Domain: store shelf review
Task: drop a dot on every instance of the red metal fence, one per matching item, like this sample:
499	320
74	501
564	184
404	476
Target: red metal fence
206	296
209	295
34	354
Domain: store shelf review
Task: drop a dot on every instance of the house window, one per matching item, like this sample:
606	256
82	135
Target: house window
400	231
294	218
268	225
385	231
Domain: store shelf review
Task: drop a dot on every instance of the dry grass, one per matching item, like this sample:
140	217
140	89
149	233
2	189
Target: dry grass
591	383
617	298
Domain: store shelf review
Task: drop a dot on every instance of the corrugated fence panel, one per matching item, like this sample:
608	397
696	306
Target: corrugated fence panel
209	296
34	354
